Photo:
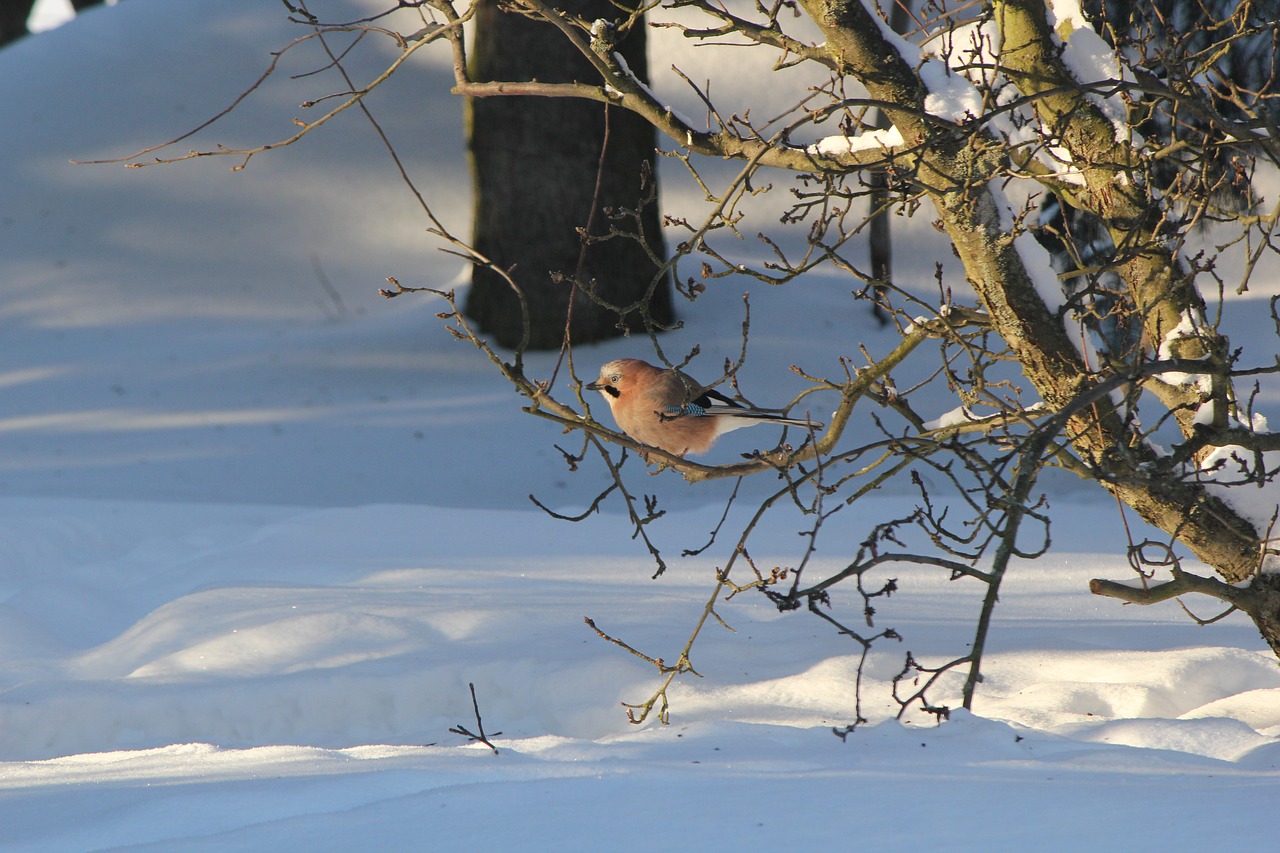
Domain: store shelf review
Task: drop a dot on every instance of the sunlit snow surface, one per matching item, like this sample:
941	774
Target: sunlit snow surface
259	530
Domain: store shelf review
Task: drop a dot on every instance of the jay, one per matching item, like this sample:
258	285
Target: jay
668	410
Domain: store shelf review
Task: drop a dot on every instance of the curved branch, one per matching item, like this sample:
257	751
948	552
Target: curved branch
1182	583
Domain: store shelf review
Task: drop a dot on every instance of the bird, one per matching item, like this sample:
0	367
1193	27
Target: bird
668	410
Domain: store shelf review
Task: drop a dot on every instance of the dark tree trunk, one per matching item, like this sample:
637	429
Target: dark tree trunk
13	19
879	235
535	163
14	14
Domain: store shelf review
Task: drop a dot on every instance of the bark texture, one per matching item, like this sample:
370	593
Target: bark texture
957	170
535	163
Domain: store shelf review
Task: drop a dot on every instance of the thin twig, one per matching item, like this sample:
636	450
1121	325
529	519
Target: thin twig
473	737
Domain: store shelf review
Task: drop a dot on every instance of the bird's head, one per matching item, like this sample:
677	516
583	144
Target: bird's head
616	377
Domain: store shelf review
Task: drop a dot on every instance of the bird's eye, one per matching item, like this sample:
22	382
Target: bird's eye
615	379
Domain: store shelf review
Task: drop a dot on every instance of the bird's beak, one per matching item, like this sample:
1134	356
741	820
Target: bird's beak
595	386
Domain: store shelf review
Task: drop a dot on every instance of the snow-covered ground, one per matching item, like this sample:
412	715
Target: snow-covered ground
260	528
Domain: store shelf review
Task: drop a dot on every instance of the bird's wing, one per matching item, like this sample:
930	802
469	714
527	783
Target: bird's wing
712	399
709	402
712	402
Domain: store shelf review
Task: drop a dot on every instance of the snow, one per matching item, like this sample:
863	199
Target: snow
49	14
1234	464
951	96
1191	325
888	139
260	529
958	416
1091	60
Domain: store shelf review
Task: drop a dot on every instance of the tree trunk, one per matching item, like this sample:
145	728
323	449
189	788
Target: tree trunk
535	163
14	14
13	19
1265	610
958	175
880	237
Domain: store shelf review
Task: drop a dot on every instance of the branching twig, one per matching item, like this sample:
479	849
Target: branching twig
480	736
1036	123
